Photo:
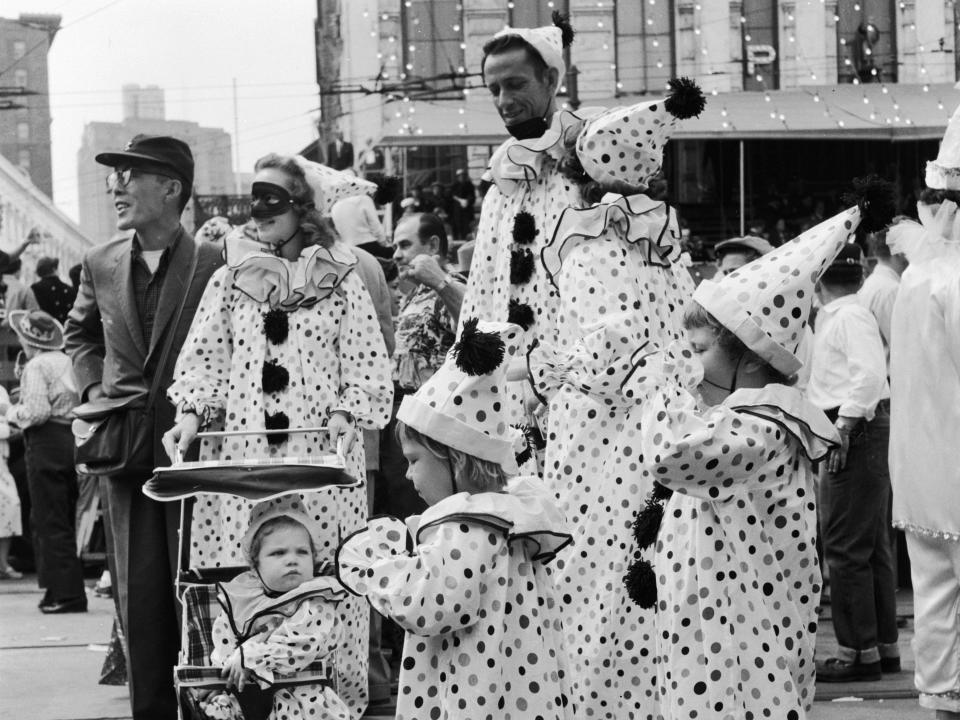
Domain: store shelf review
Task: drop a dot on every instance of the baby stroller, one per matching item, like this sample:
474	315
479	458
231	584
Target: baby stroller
196	587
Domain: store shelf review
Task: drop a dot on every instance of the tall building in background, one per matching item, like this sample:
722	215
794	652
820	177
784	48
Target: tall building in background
144	102
25	123
144	112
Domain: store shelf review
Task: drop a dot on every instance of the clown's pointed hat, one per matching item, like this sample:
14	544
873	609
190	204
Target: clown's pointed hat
549	41
627	143
461	405
767	302
944	172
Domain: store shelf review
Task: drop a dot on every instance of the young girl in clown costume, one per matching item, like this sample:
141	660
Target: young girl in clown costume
476	595
622	285
735	577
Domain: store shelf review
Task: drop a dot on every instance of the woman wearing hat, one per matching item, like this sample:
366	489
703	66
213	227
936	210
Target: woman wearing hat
48	394
286	336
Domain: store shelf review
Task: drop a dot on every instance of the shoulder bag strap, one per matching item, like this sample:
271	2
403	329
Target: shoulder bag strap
168	342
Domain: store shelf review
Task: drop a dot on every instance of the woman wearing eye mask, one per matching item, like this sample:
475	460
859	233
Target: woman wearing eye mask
286	336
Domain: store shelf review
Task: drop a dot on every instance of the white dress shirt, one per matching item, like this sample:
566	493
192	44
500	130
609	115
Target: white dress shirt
357	221
877	295
849	368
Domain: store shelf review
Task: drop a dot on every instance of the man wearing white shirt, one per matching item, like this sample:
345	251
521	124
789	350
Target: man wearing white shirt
848	381
880	288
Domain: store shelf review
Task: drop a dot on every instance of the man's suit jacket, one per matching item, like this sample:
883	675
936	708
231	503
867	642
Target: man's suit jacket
340	160
103	335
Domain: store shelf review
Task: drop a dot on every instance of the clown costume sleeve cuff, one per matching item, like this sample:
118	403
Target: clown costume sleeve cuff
383	538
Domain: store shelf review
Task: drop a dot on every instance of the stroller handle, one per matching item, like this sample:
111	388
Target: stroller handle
232	433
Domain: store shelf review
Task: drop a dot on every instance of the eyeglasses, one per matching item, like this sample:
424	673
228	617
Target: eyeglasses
122	176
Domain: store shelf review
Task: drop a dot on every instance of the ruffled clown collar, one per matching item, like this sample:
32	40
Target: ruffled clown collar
521	161
283	284
637	219
525	512
245	602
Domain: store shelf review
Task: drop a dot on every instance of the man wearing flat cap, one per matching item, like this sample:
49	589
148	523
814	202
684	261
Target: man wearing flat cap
737	252
127	306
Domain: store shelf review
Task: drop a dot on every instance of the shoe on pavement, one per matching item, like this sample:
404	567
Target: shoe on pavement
837	670
104	591
8	573
69	605
890	664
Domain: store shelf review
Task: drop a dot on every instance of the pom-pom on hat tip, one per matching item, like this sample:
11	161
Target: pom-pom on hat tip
562	21
877	200
686	99
478	352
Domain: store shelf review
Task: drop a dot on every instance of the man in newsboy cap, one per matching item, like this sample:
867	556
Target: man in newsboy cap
130	292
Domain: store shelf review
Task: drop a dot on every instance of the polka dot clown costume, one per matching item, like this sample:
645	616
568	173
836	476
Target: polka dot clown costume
277	344
617	269
737	579
518	214
476	596
276	635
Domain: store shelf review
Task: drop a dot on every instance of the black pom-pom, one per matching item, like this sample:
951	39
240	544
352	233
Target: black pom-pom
877	200
646	524
520	314
478	352
275	377
388	188
276	326
521	266
685	100
524	228
661	492
527	452
641	584
276	421
562	21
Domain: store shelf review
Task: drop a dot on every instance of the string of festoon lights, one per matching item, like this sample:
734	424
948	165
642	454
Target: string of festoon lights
405	115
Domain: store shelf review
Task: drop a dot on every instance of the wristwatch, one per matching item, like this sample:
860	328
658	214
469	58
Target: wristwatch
447	279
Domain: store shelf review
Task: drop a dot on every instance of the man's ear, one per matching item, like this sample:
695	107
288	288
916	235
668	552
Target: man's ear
174	188
553	79
434	243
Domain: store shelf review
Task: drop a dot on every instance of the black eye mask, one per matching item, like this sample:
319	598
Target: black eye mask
269	200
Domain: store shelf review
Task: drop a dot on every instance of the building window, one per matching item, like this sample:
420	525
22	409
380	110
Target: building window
866	41
759	45
643	32
23	131
19	49
20	78
23	160
433	49
526	14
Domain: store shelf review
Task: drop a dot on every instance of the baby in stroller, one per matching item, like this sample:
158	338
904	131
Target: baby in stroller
277	619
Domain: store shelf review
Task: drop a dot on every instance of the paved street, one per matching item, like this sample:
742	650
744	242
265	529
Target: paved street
50	664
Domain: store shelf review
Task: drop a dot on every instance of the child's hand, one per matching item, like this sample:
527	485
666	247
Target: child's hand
235	673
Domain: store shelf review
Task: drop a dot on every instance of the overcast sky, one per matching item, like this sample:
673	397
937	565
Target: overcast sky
191	48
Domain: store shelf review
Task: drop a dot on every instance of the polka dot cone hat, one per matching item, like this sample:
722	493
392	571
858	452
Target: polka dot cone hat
944	172
626	143
767	302
461	406
330	185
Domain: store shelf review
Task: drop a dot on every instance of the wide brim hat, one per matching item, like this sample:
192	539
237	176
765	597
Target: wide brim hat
161	150
37	329
290	506
462	404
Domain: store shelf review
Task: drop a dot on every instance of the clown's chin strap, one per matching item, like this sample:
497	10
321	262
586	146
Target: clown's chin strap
275	248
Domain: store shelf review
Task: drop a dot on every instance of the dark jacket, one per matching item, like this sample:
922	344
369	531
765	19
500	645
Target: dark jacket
54	296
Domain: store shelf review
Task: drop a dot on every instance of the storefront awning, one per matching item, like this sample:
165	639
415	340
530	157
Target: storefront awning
833	112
